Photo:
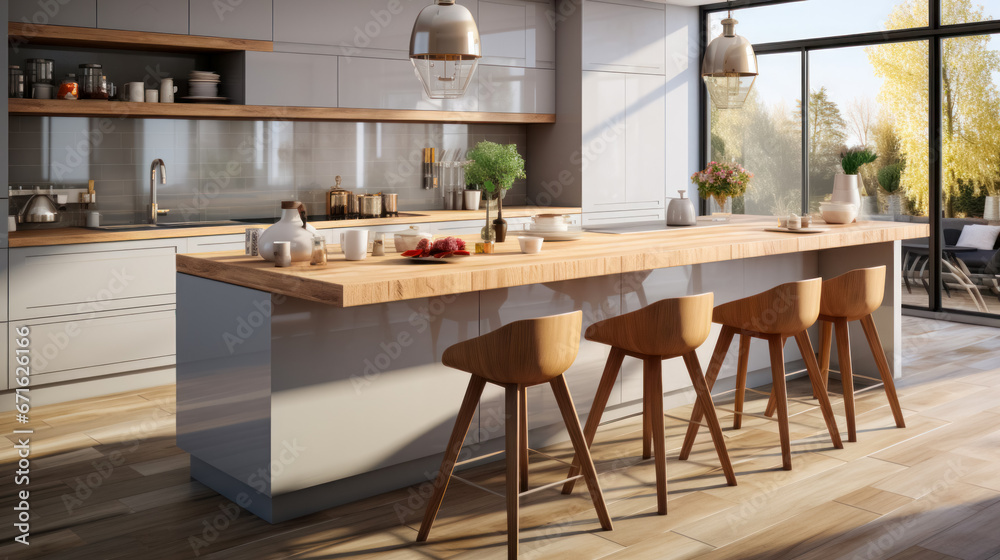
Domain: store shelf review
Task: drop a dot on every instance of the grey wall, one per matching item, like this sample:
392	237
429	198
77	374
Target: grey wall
236	169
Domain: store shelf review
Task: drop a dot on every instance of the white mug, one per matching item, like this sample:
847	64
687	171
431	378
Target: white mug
135	91
283	253
152	96
354	244
167	90
11	223
93	219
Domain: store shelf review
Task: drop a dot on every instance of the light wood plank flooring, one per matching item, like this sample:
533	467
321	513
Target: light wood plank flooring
107	481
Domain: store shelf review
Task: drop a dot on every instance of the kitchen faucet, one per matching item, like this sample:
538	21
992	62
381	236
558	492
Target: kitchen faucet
154	210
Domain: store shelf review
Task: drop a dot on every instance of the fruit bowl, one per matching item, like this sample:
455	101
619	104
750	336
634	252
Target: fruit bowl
437	251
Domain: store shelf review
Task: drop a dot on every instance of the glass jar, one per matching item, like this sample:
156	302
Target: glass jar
38	71
91	82
15	82
69	88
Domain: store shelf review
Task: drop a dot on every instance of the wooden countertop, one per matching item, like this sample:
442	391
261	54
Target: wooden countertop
392	278
75	235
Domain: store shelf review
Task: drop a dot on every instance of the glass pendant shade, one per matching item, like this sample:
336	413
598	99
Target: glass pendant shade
730	68
445	49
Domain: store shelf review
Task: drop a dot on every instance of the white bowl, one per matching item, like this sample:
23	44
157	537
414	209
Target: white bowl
838	213
530	245
551	222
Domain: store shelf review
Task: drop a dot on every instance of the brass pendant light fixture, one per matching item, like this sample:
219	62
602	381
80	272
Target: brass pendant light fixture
445	49
729	68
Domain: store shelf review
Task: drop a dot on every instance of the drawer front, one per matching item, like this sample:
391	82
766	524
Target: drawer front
597	219
211	244
53	281
82	346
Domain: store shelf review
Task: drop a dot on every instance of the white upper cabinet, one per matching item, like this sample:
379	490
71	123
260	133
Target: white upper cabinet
375	83
291	79
624	38
158	16
75	13
504	89
517	33
357	27
238	19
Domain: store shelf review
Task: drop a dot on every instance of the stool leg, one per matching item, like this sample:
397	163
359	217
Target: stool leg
846	376
772	404
647	423
806	349
461	429
777	352
868	324
652	372
825	345
741	379
604	389
705	397
714	367
512	435
568	410
523	423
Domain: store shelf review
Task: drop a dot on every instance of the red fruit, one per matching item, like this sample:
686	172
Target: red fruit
413	253
443	255
463	253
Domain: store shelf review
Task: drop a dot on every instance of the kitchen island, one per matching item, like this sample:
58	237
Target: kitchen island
302	388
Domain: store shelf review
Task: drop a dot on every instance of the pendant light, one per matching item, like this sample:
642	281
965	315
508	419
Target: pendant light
445	49
730	67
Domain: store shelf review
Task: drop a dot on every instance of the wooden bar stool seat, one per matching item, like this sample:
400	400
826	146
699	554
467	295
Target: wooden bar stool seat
666	329
775	315
517	356
854	296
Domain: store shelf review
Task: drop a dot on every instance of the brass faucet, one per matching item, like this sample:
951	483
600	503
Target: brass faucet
154	209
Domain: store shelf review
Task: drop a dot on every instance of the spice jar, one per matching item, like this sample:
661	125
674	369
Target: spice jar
92	82
69	88
15	82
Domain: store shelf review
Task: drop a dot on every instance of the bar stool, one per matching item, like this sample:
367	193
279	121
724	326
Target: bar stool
667	329
775	315
854	296
517	356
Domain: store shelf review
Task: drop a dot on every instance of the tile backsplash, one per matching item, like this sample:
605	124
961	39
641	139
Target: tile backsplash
236	169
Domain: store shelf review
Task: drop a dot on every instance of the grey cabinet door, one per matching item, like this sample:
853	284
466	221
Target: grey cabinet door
75	13
291	79
517	33
372	83
645	139
159	16
620	38
356	26
517	90
239	19
603	152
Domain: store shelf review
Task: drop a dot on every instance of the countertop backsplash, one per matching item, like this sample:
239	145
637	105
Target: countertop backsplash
220	170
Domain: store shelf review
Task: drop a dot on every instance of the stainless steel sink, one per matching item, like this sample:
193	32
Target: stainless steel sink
175	225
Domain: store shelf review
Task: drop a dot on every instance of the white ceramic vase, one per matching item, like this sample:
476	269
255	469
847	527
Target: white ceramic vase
472	198
293	228
845	189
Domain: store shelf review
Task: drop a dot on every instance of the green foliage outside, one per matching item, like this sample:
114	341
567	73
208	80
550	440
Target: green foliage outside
889	177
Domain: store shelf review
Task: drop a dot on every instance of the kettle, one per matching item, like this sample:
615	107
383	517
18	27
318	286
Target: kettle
680	211
292	227
39	210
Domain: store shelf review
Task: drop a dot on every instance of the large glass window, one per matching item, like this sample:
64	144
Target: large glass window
968	11
765	137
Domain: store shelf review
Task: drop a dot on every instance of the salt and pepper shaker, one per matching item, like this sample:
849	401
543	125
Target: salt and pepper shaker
794	222
282	254
378	245
318	251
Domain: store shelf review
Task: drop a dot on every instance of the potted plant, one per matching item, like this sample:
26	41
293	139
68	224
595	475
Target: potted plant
847	185
721	182
889	179
495	167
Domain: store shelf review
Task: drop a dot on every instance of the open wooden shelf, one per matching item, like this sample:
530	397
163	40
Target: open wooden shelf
89	37
121	109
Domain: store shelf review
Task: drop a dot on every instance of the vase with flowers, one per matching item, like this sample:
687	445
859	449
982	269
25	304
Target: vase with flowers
720	183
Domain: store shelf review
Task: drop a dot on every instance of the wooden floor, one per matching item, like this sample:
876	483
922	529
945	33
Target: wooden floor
107	481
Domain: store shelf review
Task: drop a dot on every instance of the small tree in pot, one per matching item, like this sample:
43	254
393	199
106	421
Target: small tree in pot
889	179
495	167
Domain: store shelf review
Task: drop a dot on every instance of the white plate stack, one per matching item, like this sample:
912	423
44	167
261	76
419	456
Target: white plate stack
553	227
203	85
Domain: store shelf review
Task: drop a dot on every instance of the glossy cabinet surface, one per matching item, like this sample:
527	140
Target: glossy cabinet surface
505	89
291	79
80	279
159	16
373	83
240	19
352	25
74	13
645	139
517	33
213	243
89	345
623	38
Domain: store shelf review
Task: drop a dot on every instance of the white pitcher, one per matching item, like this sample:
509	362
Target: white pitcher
167	90
291	227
